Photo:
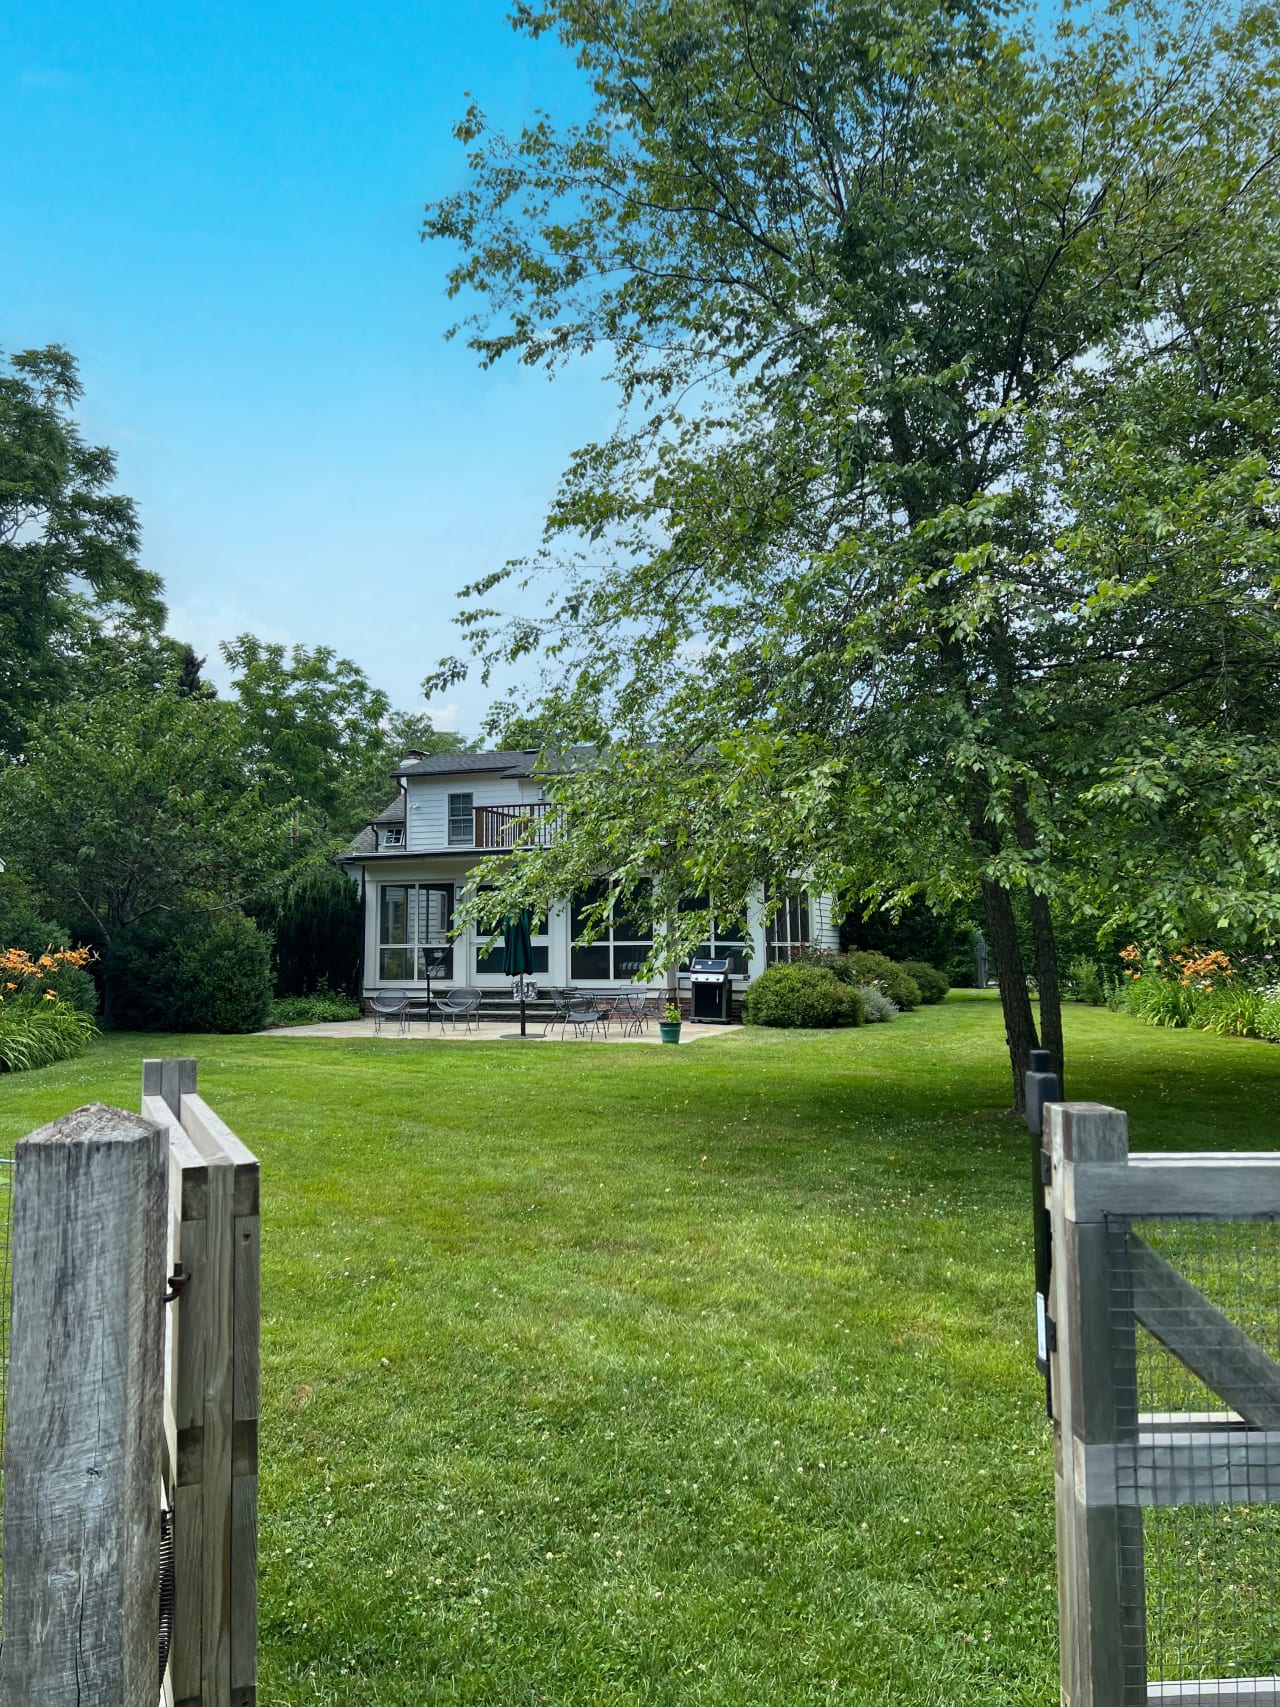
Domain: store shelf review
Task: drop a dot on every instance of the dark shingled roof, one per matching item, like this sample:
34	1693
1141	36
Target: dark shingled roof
471	764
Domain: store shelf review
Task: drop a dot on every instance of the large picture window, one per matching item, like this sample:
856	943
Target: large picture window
726	939
462	820
621	949
488	953
414	920
787	932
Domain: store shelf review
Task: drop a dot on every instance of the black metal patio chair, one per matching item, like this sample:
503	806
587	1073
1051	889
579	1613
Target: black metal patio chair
559	1015
632	1011
587	1016
460	1004
390	1007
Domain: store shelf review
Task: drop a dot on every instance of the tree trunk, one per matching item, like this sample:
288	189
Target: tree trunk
1046	946
1011	976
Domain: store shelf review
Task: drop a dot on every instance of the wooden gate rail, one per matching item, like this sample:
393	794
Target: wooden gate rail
211	1399
1110	1461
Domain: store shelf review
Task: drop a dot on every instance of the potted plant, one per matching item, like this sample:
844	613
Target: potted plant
669	1024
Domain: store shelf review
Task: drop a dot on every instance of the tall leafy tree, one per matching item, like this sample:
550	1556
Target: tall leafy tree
322	736
136	801
68	543
876	580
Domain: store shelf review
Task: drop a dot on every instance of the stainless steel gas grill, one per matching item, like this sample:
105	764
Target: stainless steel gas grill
710	991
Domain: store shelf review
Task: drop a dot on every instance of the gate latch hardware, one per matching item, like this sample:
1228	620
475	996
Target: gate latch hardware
177	1280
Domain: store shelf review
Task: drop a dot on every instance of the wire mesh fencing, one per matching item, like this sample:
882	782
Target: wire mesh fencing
1194	1312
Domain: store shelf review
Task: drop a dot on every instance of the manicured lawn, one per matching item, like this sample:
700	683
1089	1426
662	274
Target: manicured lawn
596	1375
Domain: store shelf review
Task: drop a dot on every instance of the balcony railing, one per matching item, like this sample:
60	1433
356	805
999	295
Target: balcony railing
501	827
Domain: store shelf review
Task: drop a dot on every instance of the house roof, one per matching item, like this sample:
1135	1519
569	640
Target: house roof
511	763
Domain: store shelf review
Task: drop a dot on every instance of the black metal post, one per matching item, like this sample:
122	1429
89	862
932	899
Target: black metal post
1042	1086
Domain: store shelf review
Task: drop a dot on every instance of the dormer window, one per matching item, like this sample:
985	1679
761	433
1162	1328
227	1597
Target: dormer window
393	838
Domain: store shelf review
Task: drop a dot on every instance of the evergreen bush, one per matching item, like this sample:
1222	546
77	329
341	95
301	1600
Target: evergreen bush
794	994
316	926
203	972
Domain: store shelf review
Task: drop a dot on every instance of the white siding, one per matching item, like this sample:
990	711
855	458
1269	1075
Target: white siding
428	814
824	927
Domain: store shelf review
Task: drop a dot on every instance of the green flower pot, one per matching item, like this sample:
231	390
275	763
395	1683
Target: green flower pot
669	1033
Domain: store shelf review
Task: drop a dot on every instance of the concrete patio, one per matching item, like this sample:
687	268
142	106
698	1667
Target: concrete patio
489	1031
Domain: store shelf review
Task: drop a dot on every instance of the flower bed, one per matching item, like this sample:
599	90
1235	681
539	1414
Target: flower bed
37	1024
1202	990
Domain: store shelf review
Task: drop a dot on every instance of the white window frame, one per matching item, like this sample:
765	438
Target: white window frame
609	940
796	933
393	838
418	938
466	816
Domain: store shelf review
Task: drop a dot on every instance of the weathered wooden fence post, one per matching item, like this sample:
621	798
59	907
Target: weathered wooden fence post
1100	1586
84	1431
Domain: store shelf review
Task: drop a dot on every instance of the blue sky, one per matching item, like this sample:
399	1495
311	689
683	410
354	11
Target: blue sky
216	207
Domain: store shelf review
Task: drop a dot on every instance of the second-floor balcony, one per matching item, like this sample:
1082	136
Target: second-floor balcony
497	828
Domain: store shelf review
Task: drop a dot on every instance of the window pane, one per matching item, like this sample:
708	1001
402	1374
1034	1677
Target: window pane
395	913
395	963
628	959
587	898
633	922
439	915
436	961
590	962
462	818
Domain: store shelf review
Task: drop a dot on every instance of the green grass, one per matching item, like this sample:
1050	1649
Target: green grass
605	1375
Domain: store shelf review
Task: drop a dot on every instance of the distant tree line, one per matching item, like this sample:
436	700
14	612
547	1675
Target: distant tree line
188	839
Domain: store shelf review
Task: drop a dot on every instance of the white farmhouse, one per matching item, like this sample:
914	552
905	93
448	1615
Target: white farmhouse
414	864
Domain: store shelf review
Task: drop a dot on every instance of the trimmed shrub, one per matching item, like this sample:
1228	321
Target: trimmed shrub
876	1006
36	1031
933	984
900	987
793	994
827	961
314	1009
205	972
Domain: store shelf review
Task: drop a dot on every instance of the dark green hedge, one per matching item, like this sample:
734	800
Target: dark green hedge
204	972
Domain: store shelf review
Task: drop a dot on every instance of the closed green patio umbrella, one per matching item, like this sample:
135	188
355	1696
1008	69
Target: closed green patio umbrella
517	953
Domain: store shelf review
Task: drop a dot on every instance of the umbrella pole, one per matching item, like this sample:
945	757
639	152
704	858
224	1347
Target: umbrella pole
522	1030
